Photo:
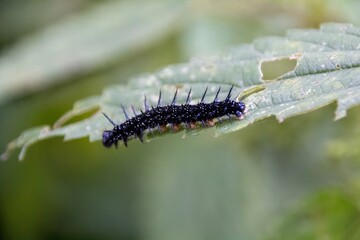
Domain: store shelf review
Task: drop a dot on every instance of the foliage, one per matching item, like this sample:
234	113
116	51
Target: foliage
298	179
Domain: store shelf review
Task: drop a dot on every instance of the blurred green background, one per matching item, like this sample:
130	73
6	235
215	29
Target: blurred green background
295	180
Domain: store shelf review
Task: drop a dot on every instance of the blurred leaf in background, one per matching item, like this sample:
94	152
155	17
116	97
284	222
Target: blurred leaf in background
83	44
269	180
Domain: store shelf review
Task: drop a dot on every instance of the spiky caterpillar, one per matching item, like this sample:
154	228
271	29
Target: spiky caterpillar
172	114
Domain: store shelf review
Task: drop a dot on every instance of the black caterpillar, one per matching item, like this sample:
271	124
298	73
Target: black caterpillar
172	114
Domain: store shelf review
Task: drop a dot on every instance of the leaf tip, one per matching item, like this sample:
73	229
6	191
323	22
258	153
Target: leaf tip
339	114
280	118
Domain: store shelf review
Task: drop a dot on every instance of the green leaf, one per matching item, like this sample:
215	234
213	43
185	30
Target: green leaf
85	43
327	70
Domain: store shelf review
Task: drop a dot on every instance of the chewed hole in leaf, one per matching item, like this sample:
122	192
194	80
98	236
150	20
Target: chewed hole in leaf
73	117
83	109
274	69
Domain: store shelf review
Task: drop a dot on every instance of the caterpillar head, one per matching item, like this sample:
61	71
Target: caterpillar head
237	108
108	139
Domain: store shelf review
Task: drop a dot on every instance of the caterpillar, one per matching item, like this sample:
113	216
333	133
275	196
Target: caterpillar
173	115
